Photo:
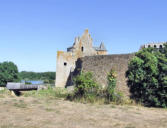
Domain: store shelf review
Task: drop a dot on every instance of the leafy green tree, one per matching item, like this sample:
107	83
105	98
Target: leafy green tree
147	77
8	73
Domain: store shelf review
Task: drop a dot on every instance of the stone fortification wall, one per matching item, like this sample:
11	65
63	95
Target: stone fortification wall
102	64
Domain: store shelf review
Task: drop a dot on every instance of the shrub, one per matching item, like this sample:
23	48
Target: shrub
84	84
147	77
111	85
87	90
111	94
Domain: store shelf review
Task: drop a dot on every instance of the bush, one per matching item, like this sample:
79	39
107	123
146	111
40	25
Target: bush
147	77
111	84
85	84
87	90
111	94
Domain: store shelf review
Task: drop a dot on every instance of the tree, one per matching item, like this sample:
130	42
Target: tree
47	77
8	73
147	77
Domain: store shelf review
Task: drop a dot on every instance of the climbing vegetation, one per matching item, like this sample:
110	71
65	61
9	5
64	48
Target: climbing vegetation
112	95
87	90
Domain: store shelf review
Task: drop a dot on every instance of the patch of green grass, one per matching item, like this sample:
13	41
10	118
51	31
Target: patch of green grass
16	126
4	93
138	113
49	109
50	93
21	104
7	126
117	124
28	119
57	112
14	100
29	93
1	96
5	102
123	108
113	106
130	126
36	102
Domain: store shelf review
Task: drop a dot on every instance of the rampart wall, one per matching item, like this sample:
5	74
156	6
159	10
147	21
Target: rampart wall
101	65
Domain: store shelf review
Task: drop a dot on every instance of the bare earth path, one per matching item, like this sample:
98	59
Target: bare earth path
27	112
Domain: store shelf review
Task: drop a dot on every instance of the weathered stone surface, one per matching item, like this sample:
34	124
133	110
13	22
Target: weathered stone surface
82	56
100	66
66	61
153	45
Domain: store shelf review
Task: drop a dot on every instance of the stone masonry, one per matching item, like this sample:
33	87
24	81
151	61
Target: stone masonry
153	45
101	65
66	61
82	56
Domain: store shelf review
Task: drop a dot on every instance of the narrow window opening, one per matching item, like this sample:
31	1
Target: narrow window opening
160	46
155	46
149	46
65	64
82	49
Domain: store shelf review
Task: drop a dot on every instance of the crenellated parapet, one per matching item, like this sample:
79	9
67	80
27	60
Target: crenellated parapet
153	45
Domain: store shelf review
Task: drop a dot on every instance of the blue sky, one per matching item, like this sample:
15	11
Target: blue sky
31	31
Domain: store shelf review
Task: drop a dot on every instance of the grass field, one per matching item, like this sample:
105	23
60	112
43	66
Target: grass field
34	112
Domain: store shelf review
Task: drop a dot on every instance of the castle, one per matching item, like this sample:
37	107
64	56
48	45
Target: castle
82	56
66	61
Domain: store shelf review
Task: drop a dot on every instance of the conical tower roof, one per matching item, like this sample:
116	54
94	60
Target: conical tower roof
102	47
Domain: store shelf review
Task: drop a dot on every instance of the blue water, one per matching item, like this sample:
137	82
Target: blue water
33	81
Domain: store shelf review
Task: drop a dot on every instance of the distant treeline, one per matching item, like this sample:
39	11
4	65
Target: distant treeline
9	73
47	77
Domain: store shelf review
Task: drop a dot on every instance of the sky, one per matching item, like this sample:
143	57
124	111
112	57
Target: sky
31	31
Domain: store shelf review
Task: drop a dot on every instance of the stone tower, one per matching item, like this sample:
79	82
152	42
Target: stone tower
83	46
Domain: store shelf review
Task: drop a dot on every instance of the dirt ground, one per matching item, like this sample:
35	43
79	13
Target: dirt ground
28	112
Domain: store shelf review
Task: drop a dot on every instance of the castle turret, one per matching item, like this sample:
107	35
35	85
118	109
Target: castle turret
66	60
102	47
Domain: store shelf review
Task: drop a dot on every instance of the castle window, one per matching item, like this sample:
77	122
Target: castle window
155	46
65	64
82	49
149	46
160	46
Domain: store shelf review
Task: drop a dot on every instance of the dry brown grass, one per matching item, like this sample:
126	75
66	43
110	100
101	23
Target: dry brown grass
31	112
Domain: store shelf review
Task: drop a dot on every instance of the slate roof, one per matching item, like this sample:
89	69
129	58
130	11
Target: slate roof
101	48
